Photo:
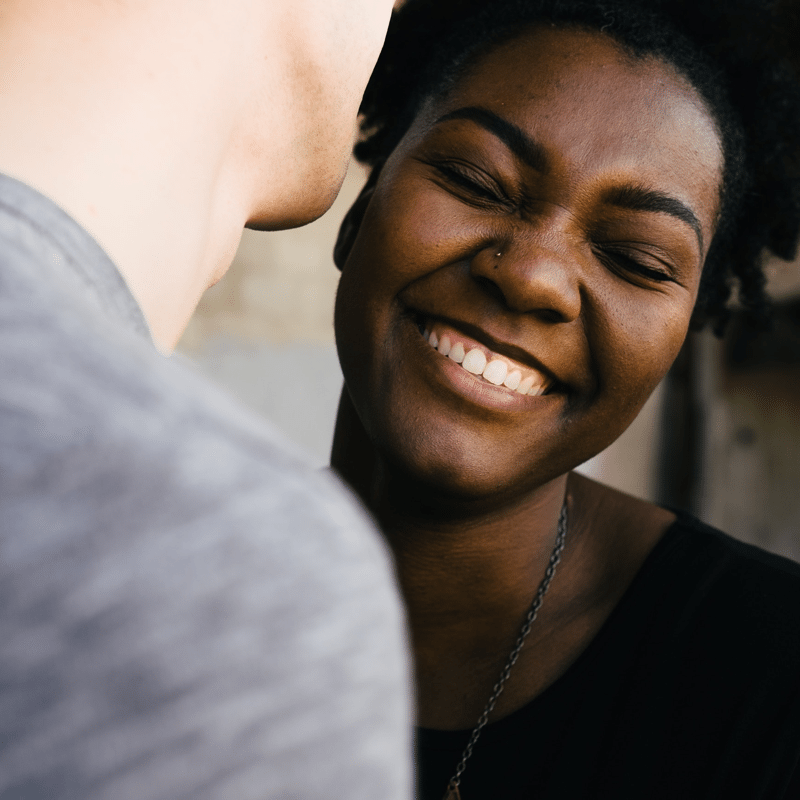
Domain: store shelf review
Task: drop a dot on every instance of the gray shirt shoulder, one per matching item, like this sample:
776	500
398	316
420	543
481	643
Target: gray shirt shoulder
186	610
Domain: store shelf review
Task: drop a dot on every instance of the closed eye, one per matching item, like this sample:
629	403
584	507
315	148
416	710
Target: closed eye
479	187
624	263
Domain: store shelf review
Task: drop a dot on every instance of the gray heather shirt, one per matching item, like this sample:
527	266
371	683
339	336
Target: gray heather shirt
186	611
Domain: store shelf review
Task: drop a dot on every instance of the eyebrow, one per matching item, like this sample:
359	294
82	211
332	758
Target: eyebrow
530	151
636	198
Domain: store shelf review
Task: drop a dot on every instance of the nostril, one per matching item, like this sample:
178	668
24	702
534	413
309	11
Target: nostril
550	315
490	287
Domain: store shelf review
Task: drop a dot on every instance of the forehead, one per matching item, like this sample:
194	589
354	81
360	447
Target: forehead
593	106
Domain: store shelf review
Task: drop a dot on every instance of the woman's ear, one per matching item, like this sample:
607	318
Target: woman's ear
352	222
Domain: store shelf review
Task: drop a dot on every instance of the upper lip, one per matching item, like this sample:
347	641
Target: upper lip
495	344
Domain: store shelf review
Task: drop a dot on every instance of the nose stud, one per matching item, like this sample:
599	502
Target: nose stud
497	255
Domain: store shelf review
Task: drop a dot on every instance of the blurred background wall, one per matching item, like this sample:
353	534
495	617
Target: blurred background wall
720	437
265	331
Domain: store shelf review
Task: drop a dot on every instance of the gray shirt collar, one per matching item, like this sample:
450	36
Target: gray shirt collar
38	224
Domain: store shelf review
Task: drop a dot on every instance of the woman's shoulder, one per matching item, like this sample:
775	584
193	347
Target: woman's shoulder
699	581
632	523
753	593
724	570
740	559
729	605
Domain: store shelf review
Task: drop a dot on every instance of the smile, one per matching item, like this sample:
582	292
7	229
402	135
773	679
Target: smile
491	367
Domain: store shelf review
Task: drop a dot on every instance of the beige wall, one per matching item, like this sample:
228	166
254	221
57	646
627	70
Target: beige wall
265	331
280	287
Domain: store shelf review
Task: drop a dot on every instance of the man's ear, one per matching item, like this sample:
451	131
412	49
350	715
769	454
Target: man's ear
352	222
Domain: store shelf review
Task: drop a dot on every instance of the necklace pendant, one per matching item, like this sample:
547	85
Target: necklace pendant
452	792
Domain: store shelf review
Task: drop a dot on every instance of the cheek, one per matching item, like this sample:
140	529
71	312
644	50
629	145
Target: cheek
643	339
403	237
418	227
377	267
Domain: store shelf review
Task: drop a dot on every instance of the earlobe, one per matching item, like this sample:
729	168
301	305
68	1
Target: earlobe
352	222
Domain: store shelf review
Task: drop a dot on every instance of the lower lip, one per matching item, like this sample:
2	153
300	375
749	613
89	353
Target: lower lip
444	370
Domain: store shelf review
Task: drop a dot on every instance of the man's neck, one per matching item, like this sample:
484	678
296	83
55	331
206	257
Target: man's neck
122	123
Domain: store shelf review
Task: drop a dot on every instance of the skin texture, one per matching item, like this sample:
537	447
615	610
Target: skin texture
166	126
466	479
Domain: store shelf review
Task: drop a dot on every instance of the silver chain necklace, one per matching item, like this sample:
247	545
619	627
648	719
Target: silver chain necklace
452	792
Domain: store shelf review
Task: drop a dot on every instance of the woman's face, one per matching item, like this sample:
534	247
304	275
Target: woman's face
550	214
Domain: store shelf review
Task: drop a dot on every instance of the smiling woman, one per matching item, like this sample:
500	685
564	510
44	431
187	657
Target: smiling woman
558	191
577	220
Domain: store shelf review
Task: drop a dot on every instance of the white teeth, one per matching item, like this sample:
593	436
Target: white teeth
474	361
426	333
457	352
525	384
495	371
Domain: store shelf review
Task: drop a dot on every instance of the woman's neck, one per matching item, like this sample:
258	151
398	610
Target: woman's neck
464	565
469	580
458	557
469	572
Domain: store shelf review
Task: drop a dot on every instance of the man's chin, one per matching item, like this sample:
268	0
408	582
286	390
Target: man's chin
306	205
286	220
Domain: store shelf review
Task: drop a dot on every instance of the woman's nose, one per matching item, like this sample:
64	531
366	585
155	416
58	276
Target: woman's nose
531	277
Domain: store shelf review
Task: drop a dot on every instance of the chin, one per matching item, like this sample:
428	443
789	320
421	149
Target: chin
458	467
309	197
294	217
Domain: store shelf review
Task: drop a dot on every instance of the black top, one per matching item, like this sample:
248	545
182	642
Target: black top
691	689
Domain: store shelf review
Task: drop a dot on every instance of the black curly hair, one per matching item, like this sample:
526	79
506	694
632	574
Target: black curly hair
734	52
